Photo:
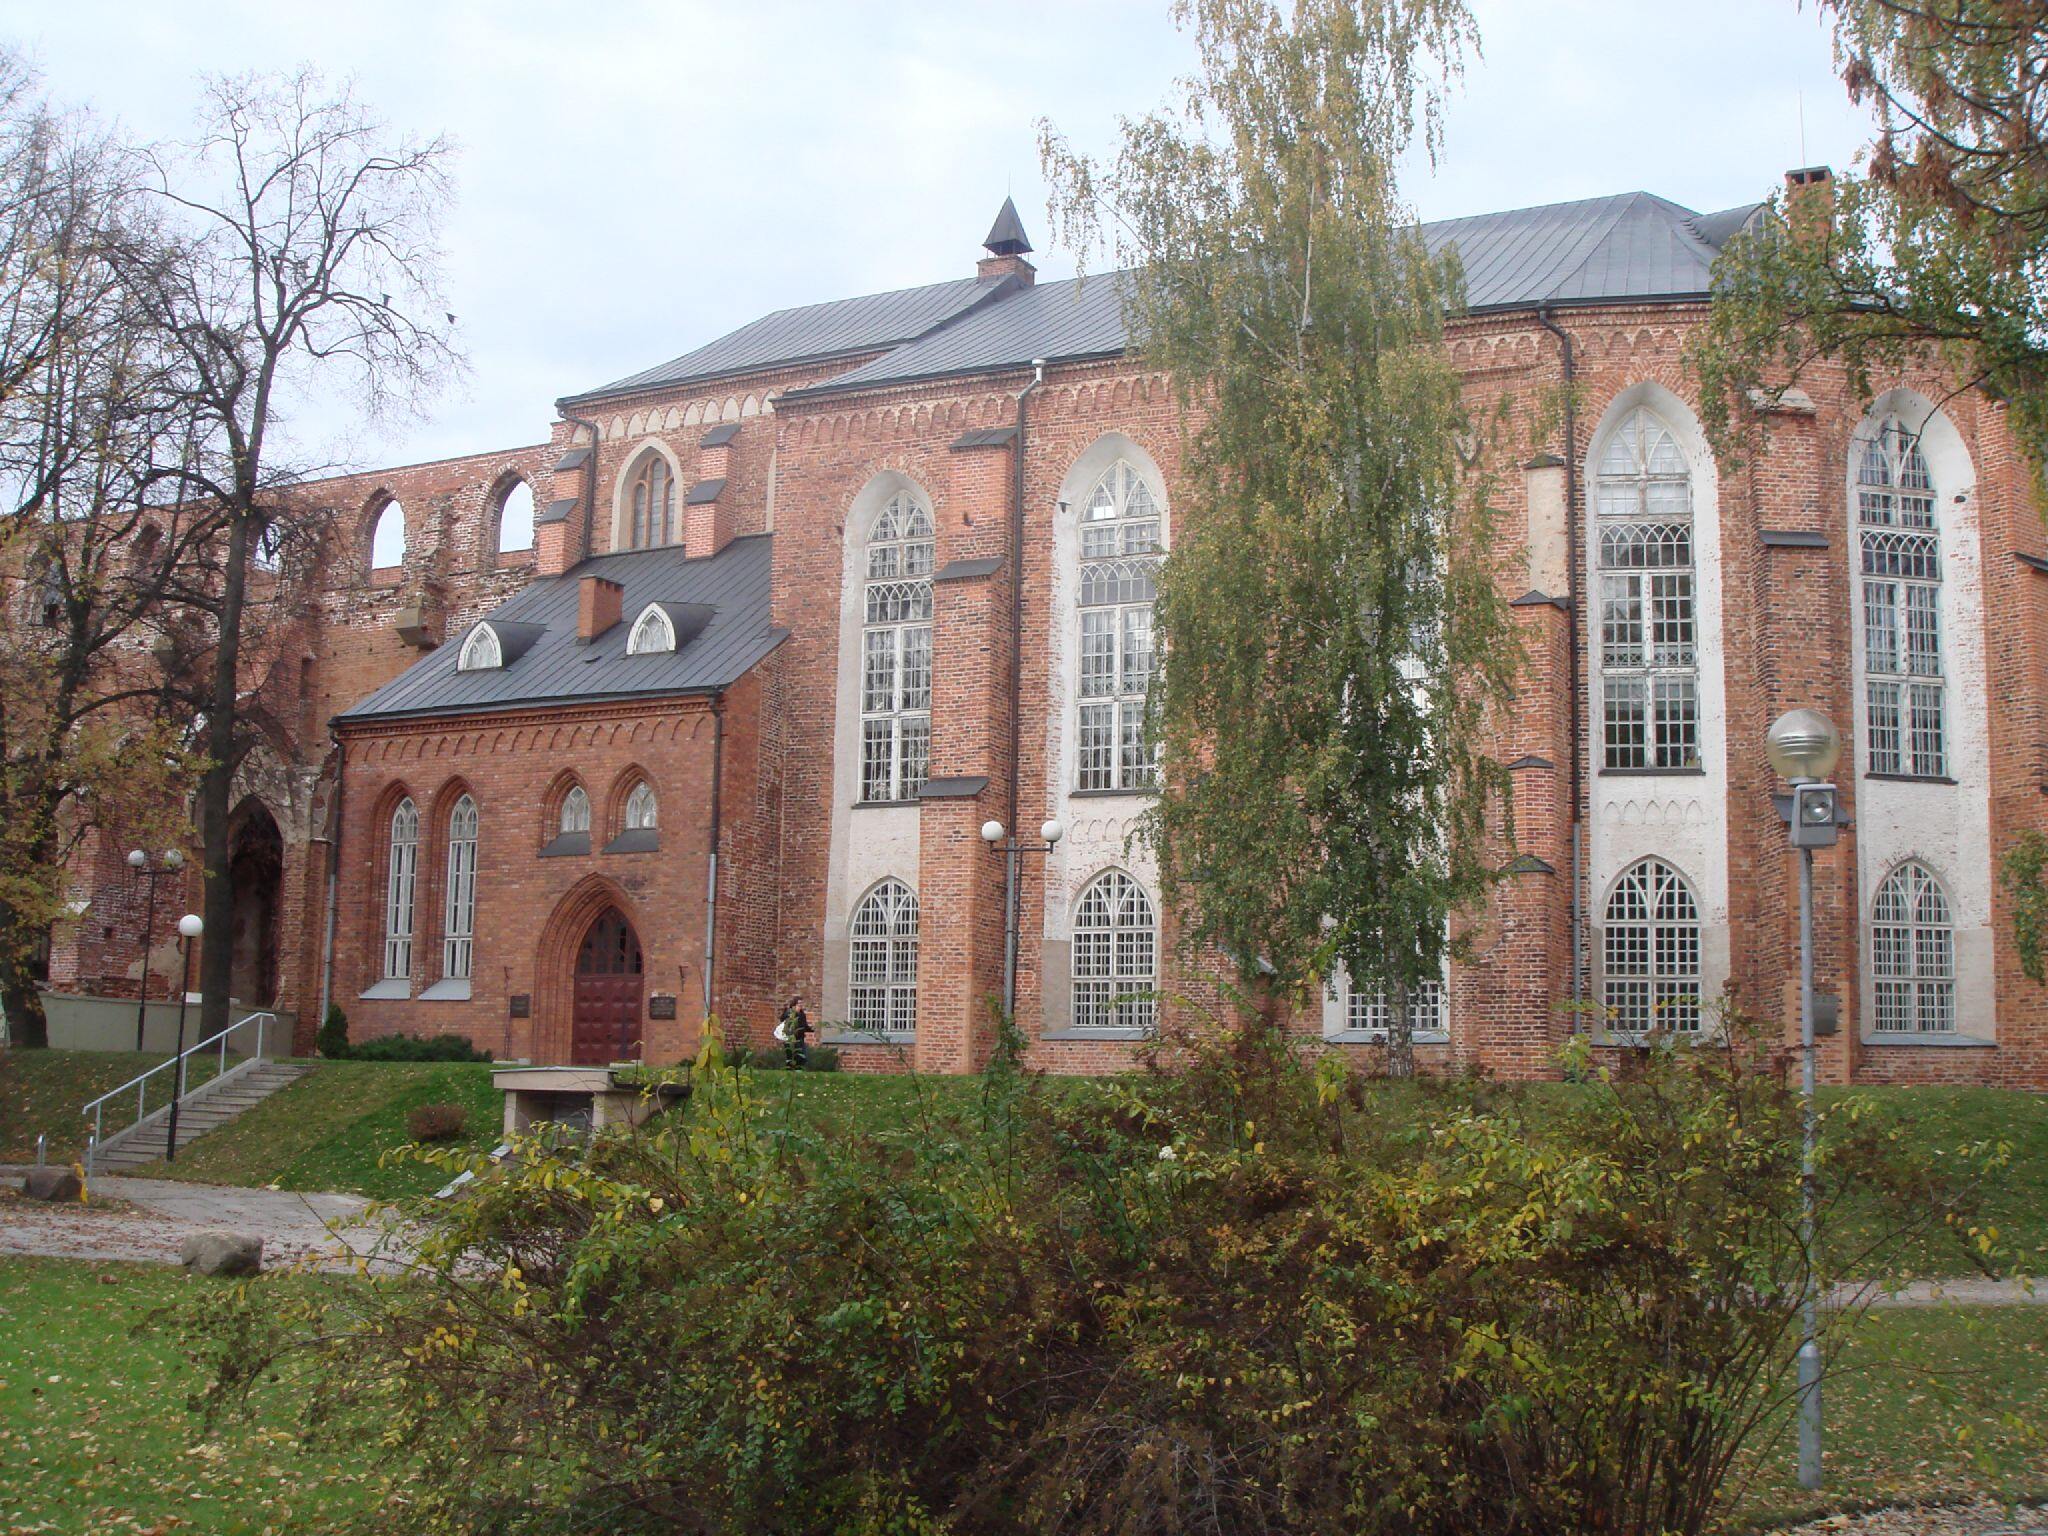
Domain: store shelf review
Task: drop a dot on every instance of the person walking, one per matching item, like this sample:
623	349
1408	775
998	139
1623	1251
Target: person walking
794	1030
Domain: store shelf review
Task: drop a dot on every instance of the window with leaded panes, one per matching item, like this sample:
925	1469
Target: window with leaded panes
1649	633
1650	952
896	652
883	954
1904	695
651	504
1120	553
1115	956
402	872
458	929
1366	1010
1913	954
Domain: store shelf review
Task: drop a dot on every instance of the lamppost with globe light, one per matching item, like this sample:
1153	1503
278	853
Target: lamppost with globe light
992	834
189	929
171	862
1804	746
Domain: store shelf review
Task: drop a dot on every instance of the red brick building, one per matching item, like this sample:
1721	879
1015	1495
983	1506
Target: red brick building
802	609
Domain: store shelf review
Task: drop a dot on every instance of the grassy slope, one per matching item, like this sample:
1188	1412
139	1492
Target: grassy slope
328	1130
41	1093
1930	1402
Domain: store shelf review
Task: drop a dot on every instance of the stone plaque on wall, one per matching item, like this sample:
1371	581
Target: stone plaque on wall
661	1006
522	1005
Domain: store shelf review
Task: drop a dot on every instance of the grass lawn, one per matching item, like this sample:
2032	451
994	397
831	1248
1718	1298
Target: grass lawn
93	1433
1930	1402
328	1130
41	1092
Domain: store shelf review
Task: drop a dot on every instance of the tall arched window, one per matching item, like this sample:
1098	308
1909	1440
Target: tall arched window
896	652
1649	660
883	996
640	808
1905	719
515	518
1913	953
575	810
1116	948
387	538
651	504
1650	952
404	855
458	930
1119	580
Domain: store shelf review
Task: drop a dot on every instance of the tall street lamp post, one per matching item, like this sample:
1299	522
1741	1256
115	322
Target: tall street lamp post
189	929
1804	746
992	834
170	864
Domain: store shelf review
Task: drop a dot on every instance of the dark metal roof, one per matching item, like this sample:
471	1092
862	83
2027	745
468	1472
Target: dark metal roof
557	669
1006	236
1629	247
813	332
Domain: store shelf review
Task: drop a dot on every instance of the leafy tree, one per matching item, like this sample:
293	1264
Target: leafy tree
1938	248
306	264
1332	634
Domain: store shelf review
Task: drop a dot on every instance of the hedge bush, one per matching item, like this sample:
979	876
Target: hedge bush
1232	1295
436	1122
417	1048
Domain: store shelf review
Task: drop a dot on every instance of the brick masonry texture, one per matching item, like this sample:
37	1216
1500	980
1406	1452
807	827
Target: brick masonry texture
760	760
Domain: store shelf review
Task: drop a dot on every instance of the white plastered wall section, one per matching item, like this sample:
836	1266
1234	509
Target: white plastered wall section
872	843
1099	826
1681	818
1946	826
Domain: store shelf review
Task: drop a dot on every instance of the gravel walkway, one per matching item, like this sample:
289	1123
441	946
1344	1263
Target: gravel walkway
1978	1518
155	1216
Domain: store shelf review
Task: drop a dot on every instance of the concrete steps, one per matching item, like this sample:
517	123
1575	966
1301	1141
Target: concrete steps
205	1108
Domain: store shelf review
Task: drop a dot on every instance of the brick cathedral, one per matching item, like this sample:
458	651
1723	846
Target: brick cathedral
703	702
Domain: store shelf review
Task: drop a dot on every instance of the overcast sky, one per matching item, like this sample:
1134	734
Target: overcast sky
637	178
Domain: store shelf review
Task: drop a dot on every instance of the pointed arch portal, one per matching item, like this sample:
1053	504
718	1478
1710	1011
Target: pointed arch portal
609	979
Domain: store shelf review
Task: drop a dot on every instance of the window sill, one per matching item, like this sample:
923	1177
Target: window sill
887	805
447	991
635	840
1696	771
389	987
568	845
1097	1034
1910	778
1940	1042
836	1039
1142	792
1379	1037
1643	1042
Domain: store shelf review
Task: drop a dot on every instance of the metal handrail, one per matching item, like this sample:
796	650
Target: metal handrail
96	1109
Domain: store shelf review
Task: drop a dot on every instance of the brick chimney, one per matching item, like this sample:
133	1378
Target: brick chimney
1007	246
599	604
1810	201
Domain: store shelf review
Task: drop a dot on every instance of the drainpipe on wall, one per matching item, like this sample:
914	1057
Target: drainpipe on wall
1573	536
1010	894
711	864
333	842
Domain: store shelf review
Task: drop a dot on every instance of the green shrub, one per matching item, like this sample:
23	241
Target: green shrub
436	1122
1235	1297
417	1048
824	1058
332	1041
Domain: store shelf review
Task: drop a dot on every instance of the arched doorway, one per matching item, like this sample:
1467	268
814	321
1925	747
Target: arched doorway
606	1021
255	884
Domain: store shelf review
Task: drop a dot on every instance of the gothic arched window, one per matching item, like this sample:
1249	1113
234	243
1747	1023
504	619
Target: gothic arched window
403	856
640	808
1913	953
1650	952
651	504
1120	553
883	958
1116	955
458	929
896	651
575	810
1649	638
1905	715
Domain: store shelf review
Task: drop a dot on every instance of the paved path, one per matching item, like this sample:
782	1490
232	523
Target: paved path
326	1229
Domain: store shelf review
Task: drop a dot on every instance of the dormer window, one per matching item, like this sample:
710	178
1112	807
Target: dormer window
481	652
653	631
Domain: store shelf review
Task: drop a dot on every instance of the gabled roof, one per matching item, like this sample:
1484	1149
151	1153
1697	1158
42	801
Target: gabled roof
555	668
1632	247
816	333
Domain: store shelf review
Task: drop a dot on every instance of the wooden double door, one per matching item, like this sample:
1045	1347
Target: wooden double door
609	993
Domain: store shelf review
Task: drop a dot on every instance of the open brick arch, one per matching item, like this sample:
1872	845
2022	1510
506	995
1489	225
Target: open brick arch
370	524
554	969
511	490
